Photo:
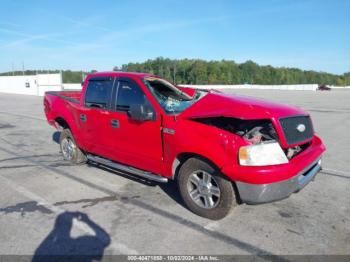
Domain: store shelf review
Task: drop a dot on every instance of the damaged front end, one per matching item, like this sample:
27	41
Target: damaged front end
253	131
263	144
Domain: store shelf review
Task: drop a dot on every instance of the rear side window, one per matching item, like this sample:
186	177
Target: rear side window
129	94
98	93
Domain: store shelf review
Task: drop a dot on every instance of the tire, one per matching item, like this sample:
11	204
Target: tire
196	193
69	148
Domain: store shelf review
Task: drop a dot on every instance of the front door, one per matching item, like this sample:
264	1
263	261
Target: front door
135	143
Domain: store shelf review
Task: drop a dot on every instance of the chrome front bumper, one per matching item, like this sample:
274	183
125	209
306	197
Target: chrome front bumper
262	193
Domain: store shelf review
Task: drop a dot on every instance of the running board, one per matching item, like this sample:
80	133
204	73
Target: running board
132	170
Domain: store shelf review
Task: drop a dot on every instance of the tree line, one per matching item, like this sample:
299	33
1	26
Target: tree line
201	72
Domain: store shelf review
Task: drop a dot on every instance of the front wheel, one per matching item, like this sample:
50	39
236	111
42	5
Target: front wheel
69	148
204	190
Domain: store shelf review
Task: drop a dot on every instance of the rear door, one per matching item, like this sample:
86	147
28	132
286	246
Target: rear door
93	116
131	142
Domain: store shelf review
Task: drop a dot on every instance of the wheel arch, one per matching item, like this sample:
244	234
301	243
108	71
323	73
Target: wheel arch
183	157
62	123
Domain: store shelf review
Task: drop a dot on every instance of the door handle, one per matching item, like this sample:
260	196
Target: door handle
82	117
115	123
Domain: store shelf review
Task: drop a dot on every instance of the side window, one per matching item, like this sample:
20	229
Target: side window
129	94
98	93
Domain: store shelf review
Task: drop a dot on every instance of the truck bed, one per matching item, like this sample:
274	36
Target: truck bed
61	104
71	96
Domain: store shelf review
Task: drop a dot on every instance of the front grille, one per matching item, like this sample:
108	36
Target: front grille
296	129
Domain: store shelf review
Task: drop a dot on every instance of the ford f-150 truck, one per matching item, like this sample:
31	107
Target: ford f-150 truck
221	149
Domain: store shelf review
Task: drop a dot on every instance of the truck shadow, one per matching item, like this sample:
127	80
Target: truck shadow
169	188
172	191
122	174
59	245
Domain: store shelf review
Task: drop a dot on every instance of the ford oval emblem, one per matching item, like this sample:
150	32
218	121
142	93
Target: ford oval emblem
301	128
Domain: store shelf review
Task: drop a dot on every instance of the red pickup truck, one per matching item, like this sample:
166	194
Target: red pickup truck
221	149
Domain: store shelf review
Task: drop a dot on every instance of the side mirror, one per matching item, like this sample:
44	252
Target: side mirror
140	113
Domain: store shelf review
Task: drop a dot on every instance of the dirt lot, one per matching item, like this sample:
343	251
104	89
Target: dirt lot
46	203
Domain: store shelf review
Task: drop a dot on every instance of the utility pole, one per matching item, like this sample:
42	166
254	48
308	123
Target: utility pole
61	78
174	73
22	67
13	69
161	71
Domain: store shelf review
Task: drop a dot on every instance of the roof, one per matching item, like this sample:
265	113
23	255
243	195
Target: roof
118	73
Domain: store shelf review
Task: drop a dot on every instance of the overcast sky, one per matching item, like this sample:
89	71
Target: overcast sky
308	34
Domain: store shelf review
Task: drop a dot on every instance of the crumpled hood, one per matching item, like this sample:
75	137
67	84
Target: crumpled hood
243	107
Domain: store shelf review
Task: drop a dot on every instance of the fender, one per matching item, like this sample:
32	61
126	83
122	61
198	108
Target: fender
191	138
68	116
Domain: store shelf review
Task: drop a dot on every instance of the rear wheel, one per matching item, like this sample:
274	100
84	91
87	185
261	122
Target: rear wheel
69	148
204	190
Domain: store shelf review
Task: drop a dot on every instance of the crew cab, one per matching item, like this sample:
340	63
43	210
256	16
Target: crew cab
221	149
